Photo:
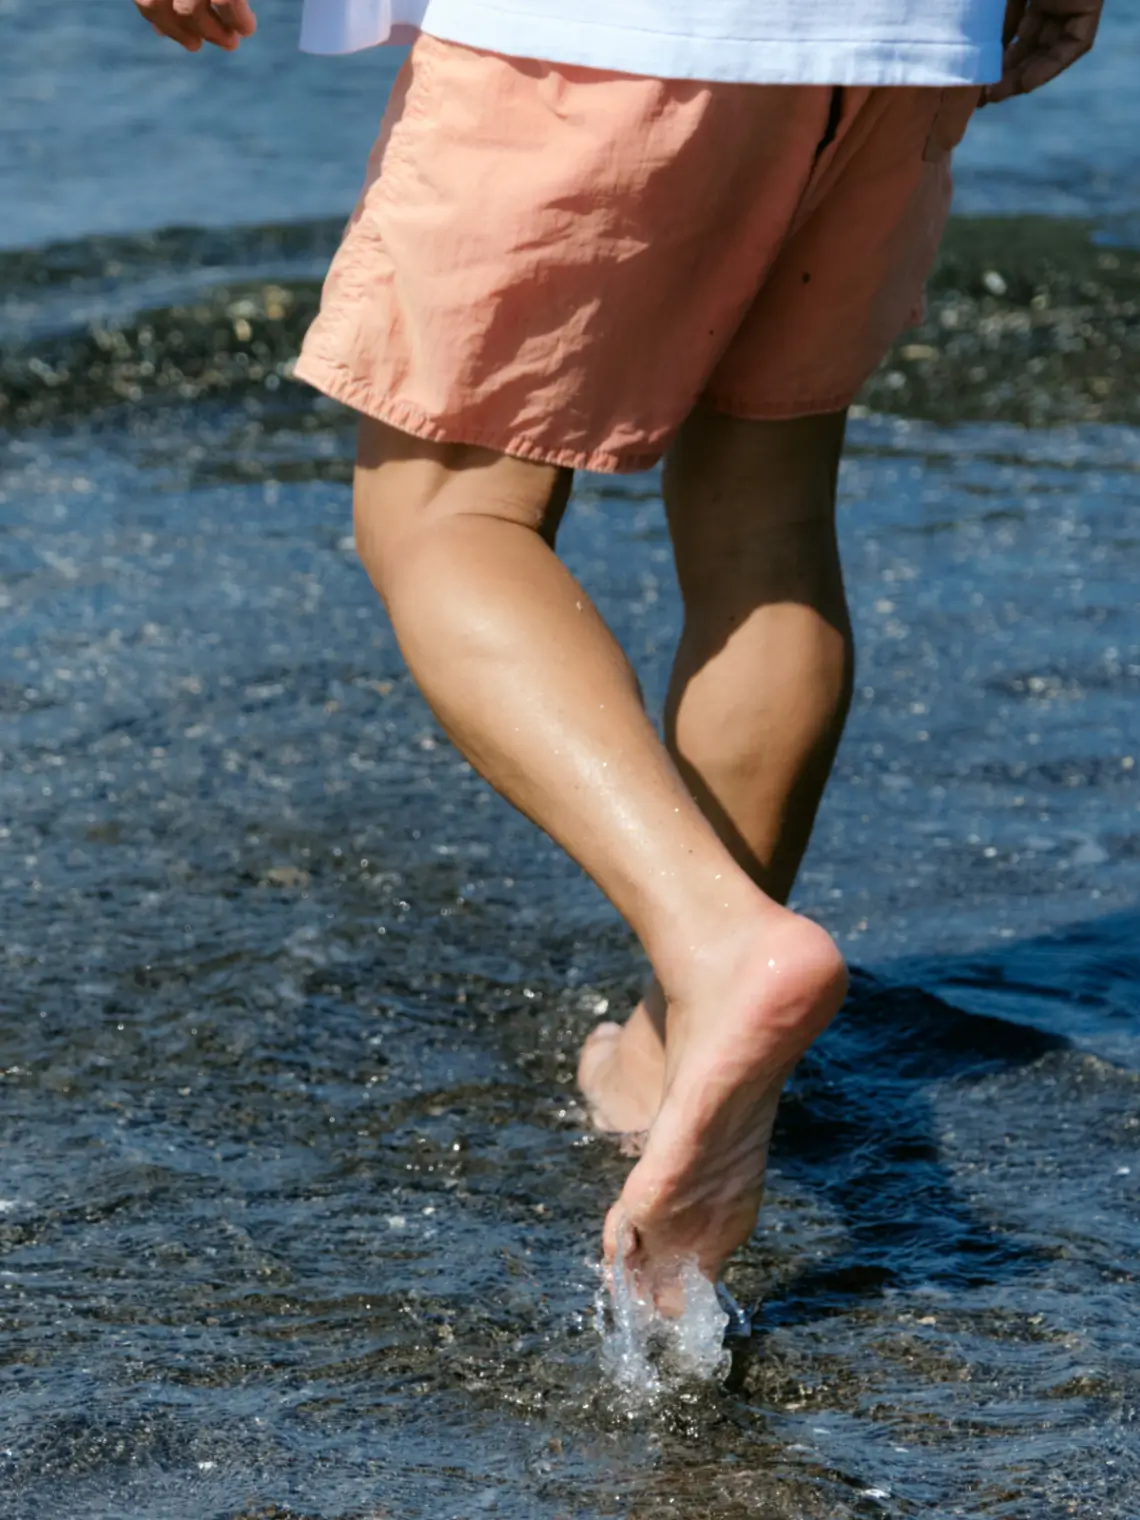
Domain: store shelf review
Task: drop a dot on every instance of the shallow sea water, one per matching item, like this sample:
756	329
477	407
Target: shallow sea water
299	1215
299	1210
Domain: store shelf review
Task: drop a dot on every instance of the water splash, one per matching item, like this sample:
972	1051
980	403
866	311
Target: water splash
647	1354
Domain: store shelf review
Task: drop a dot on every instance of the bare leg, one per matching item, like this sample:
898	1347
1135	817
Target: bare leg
528	681
761	682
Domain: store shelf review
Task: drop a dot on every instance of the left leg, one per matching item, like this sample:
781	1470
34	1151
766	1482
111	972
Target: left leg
760	686
757	702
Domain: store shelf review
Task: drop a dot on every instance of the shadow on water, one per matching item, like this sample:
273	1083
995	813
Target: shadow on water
858	1130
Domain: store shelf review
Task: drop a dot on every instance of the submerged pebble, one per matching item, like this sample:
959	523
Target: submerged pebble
1028	320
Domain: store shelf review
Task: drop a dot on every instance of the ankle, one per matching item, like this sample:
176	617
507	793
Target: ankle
704	950
769	947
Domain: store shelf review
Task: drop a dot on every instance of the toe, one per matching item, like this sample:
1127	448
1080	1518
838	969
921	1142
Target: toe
619	1237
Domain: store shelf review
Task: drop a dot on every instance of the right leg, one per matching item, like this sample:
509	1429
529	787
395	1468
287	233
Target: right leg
761	682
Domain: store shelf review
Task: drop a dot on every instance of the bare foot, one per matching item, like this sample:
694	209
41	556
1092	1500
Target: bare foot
621	1071
732	1043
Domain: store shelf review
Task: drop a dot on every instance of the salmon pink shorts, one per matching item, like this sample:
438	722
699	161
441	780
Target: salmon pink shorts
560	263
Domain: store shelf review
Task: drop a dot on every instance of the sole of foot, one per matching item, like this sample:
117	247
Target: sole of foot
695	1194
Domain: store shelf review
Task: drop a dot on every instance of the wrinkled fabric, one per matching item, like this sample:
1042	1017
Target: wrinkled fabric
559	263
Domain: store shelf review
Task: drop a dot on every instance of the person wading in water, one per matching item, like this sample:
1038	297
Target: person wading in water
595	234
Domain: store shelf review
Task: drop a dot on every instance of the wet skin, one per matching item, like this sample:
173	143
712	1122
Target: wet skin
694	840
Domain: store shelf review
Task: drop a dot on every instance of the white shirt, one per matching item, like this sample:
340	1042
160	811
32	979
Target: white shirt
853	42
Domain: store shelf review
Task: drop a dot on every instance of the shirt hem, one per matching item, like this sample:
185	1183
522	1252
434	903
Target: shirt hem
663	55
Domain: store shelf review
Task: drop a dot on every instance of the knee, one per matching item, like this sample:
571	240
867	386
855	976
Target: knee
409	495
403	492
383	527
751	511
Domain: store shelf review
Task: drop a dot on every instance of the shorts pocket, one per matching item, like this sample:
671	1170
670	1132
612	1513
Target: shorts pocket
951	118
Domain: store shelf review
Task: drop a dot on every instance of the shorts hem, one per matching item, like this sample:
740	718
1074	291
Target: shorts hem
334	381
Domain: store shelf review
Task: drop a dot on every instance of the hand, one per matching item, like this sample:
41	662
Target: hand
1042	39
192	22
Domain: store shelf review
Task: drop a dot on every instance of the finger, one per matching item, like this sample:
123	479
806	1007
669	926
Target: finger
1083	28
1043	67
1058	46
1014	15
200	18
169	27
1021	48
1043	31
1041	36
162	18
1029	40
214	29
237	15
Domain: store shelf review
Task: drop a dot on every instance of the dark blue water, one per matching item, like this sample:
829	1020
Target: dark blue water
297	1207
